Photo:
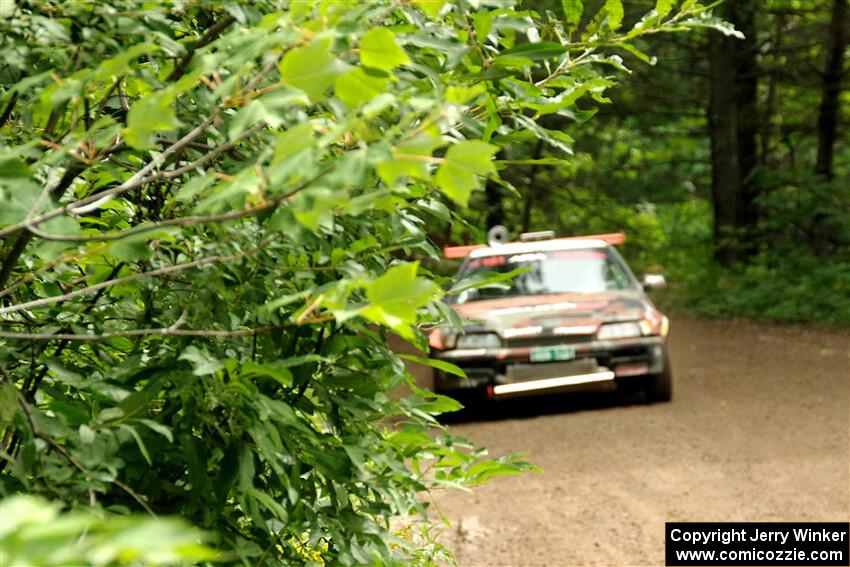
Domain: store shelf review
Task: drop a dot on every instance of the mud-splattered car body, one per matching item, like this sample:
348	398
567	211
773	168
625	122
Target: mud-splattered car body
575	318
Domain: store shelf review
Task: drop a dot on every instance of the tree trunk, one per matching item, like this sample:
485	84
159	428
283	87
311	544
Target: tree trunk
832	76
722	124
733	124
771	133
746	80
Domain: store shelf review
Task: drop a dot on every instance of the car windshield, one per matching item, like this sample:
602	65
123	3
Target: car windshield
548	272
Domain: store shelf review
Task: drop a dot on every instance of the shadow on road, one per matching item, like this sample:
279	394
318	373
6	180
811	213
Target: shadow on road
522	408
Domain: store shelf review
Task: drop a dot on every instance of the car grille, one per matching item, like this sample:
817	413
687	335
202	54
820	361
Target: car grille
524	372
630	354
521	342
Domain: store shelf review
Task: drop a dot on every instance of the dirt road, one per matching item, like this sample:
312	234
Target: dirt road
757	431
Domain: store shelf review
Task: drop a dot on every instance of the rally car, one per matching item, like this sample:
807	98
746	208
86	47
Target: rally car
574	318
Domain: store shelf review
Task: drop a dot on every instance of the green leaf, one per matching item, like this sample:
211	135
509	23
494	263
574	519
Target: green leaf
463	162
315	207
486	279
638	53
120	64
137	247
87	434
8	403
285	300
359	86
276	370
569	96
573	10
71	414
435	363
312	68
151	114
202	361
614	10
714	23
141	444
290	142
379	50
663	7
13	167
17	199
252	113
542	161
462	95
483	23
409	159
395	297
163	430
272	108
299	360
430	7
441	404
7	10
196	185
21	510
540	51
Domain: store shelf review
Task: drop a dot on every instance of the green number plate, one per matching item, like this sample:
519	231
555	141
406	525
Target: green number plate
552	353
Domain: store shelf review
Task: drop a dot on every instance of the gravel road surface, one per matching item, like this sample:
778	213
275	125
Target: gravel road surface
757	431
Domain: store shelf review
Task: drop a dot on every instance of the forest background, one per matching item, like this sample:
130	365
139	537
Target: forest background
725	161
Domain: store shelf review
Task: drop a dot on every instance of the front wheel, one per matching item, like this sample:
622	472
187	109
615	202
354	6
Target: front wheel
659	387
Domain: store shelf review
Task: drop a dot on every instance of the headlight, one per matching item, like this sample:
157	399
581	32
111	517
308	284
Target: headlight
479	340
619	331
441	339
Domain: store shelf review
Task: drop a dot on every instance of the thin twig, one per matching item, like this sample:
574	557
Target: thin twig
213	153
271	64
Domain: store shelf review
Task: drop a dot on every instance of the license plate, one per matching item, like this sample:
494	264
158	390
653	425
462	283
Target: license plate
553	353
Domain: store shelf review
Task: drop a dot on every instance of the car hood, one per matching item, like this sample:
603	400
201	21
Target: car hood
569	313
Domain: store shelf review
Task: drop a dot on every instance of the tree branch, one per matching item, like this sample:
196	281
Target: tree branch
181	221
212	33
163	332
134	277
12	259
173	330
97	200
10	106
23	280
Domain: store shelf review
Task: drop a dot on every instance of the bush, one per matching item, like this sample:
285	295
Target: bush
208	213
786	281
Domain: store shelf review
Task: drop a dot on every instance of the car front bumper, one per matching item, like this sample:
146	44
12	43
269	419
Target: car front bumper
508	372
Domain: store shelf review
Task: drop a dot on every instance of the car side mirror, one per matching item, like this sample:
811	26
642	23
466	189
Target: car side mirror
653	281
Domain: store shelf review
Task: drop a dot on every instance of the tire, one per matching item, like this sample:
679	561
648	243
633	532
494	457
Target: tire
659	387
